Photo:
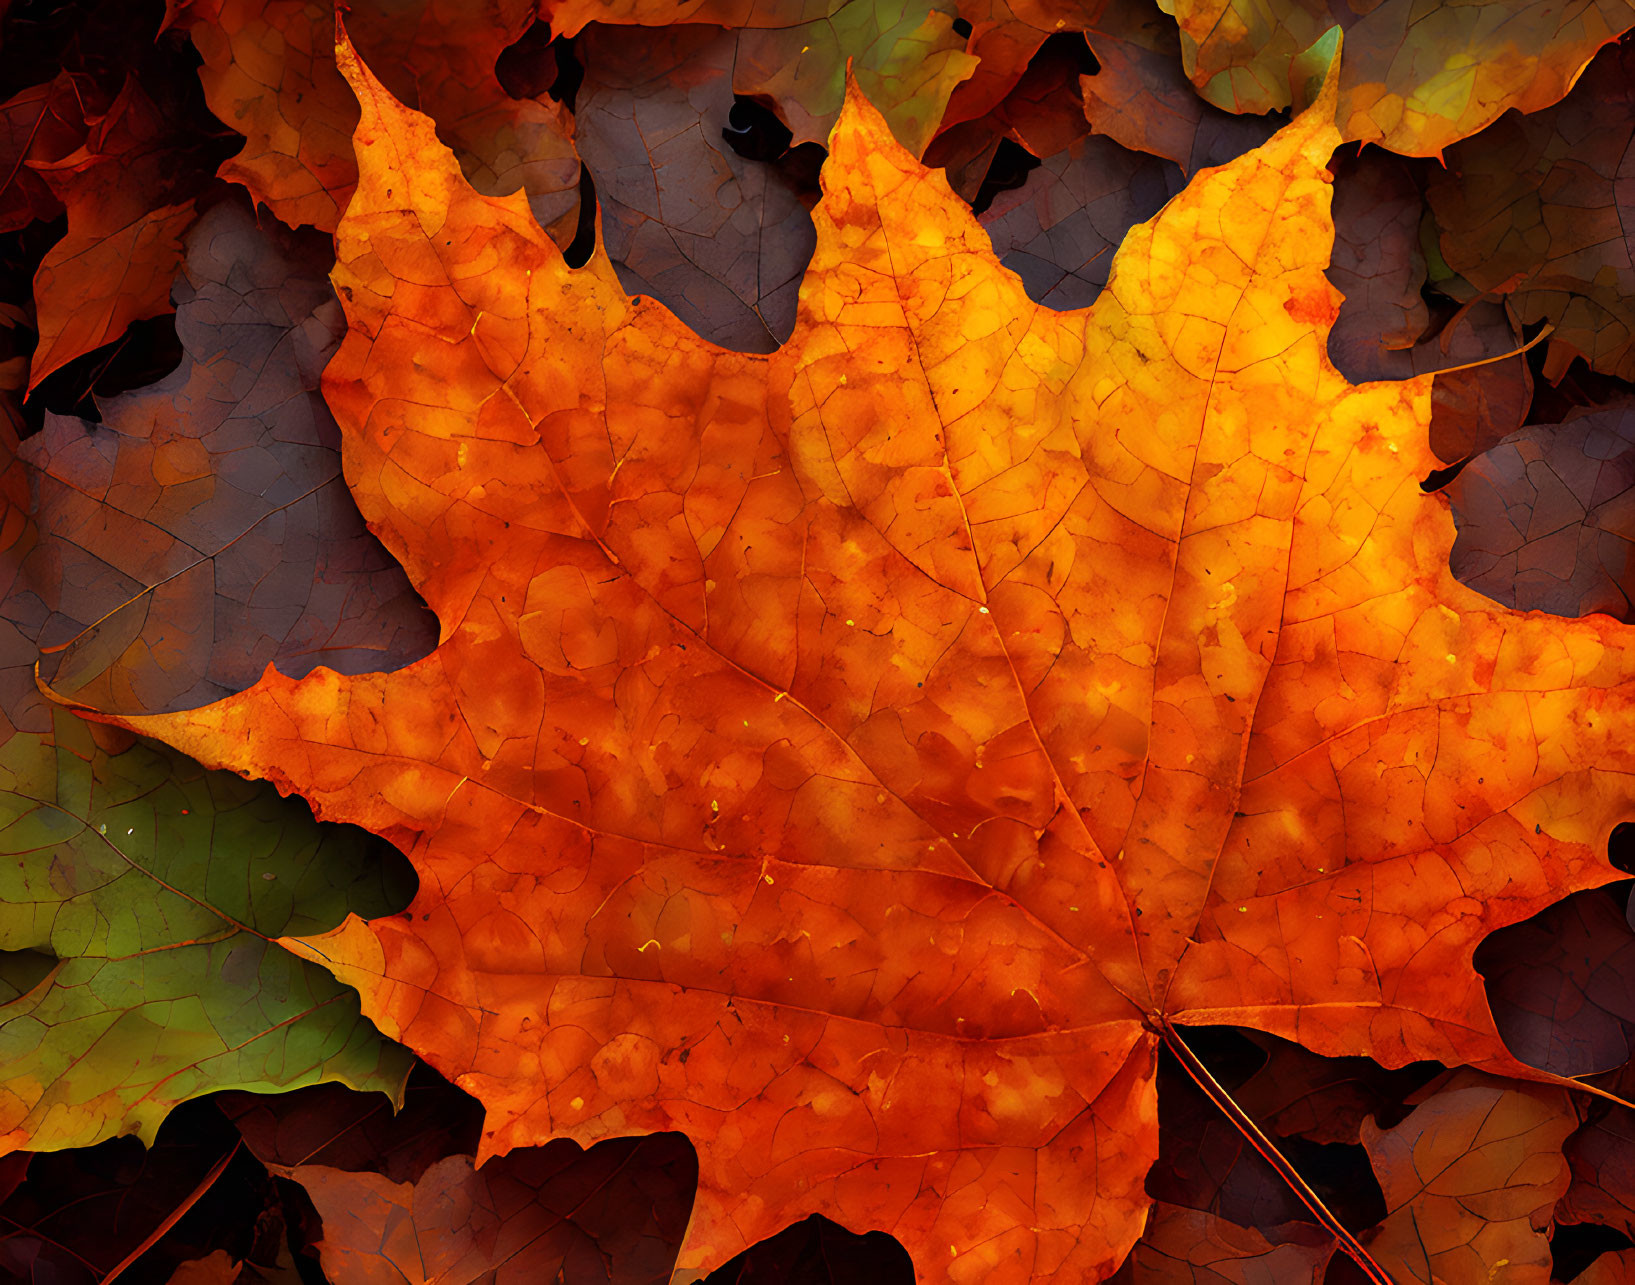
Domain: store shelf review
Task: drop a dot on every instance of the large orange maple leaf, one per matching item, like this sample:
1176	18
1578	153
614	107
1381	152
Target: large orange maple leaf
858	757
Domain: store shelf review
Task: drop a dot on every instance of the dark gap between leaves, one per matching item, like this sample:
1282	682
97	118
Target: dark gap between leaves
529	67
1009	169
147	352
1075	46
570	72
1574	1246
754	131
583	245
22	970
1437	478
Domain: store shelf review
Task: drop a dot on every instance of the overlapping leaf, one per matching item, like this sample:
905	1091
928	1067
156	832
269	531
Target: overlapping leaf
149	890
1531	207
123	245
269	72
918	719
1470	1179
1547	517
1414	78
796	53
204	530
720	239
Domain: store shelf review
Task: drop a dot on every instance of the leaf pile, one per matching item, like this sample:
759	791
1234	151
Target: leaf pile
952	643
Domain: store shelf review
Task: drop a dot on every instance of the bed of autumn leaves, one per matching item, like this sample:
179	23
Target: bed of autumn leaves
817	641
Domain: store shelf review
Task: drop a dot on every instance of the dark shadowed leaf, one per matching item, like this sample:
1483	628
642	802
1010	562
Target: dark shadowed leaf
1546	518
1562	984
1537	206
614	1213
269	73
204	530
722	240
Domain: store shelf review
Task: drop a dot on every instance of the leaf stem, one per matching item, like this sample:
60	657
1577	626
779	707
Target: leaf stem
1257	1137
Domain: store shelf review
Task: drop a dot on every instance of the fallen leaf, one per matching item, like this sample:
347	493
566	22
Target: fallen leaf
1547	517
1385	329
36	124
1205	1163
614	1212
140	900
1531	207
126	877
269	72
340	1128
1414	80
1609	1269
721	240
907	57
116	262
218	1268
204	531
1059	229
1562	984
925	719
1191	1245
1471	1178
1140	97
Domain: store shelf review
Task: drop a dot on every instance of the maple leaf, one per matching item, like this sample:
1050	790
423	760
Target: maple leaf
1413	80
860	758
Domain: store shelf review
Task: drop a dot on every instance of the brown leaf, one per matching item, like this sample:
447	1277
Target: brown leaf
1189	1245
1546	518
1471	1179
1562	984
204	530
612	1213
1531	206
39	124
1141	98
269	72
1059	229
721	240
